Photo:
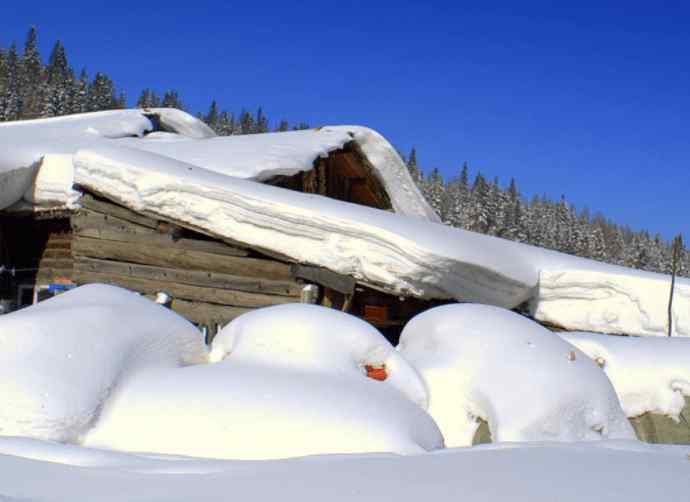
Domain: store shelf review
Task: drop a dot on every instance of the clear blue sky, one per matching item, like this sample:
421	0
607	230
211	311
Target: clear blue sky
590	100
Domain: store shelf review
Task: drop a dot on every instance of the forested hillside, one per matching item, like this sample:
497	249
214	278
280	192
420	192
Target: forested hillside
31	88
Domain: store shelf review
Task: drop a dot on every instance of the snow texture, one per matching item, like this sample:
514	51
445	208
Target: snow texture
288	381
611	471
612	301
62	358
480	361
649	374
26	142
53	184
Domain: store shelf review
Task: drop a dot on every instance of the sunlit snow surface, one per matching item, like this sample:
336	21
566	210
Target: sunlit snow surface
604	471
484	362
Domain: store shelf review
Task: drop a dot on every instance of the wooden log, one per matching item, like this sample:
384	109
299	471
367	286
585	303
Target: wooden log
341	283
165	240
185	291
190	277
104	207
86	219
157	255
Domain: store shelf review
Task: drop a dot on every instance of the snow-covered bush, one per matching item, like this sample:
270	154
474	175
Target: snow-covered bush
484	362
62	358
649	374
289	381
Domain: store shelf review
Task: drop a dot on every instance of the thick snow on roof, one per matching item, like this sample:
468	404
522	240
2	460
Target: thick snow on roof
26	142
649	374
480	361
257	157
385	250
63	357
610	471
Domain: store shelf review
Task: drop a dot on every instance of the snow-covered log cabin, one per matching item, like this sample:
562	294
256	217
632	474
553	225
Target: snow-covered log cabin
61	234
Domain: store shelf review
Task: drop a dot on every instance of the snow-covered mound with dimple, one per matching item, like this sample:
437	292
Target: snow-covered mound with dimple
62	358
289	382
484	362
649	374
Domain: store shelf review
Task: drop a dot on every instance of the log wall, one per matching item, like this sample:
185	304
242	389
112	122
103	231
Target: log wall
211	282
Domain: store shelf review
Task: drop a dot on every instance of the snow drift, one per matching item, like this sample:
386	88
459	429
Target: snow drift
62	358
289	381
610	471
649	374
483	362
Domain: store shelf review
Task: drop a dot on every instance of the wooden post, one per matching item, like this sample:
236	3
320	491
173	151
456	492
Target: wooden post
677	247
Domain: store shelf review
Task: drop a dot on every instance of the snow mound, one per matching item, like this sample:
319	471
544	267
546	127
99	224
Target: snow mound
649	374
62	358
182	123
53	185
484	362
288	383
612	301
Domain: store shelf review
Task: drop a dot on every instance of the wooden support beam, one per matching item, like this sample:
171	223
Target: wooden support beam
206	313
341	283
184	291
190	277
153	254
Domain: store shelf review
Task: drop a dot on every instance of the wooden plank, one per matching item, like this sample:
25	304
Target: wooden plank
157	255
207	313
86	219
214	247
56	254
184	291
103	207
340	283
191	277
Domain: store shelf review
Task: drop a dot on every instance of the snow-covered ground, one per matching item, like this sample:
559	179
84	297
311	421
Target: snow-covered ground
610	471
650	375
480	361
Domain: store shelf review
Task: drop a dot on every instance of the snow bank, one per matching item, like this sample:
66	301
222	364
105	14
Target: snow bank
649	374
182	123
62	358
289	382
483	362
602	471
612	301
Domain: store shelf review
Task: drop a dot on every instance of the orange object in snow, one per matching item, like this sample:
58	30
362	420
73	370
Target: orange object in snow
376	372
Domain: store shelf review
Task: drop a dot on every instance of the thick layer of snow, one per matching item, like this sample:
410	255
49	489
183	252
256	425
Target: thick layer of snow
53	184
484	362
26	142
289	381
649	374
612	301
62	358
263	156
602	471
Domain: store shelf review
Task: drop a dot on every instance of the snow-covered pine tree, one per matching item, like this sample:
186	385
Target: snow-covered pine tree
171	99
32	80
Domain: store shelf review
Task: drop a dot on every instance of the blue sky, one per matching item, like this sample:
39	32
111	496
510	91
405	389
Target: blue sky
590	100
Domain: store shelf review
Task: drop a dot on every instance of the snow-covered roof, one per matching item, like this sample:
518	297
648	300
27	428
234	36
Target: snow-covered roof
34	146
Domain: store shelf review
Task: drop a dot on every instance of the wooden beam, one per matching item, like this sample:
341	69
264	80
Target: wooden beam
207	313
152	254
214	247
190	277
341	283
86	219
103	207
184	291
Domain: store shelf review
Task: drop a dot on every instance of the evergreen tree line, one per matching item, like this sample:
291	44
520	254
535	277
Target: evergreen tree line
30	88
486	207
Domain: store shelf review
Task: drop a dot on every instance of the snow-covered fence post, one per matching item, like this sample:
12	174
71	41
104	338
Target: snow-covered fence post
677	247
